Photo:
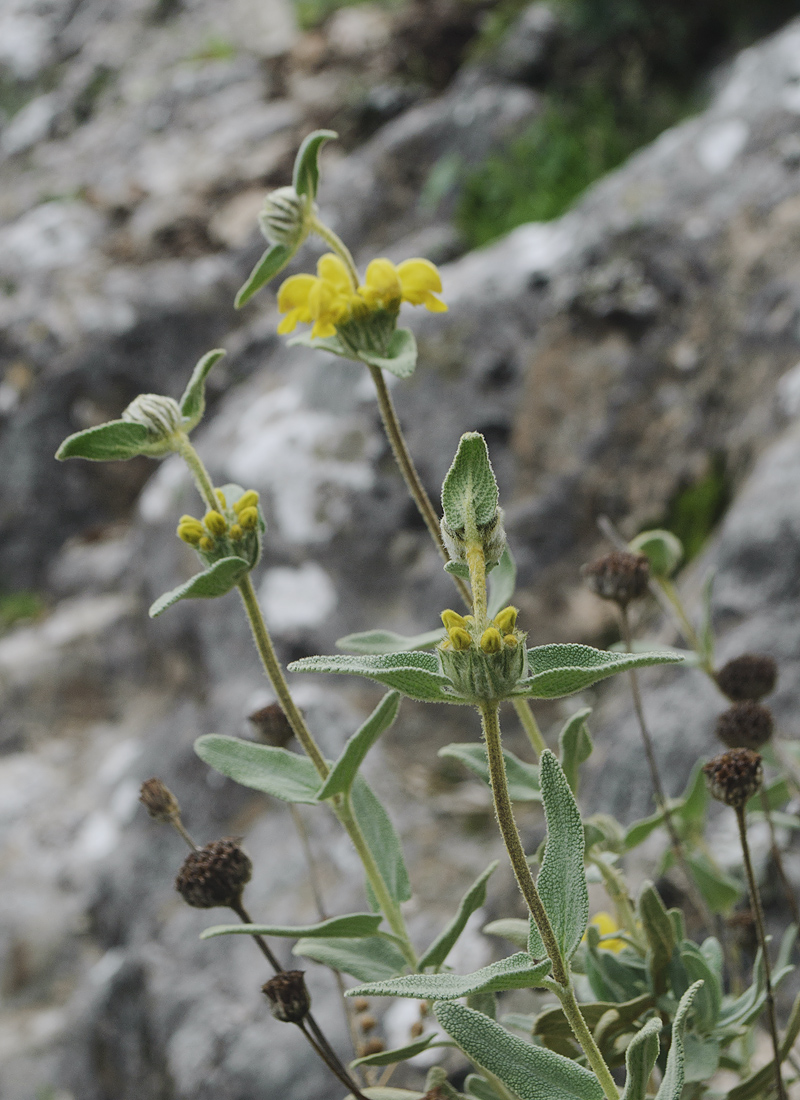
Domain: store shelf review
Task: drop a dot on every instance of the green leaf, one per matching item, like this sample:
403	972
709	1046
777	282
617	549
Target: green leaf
470	488
414	674
502	582
215	581
637	833
515	972
563	669
762	1080
523	778
367	960
777	794
640	1057
513	929
272	261
532	1072
553	1028
481	1089
384	1092
344	771
398	1054
701	1058
459	569
118	439
330	344
672	1082
382	839
401	354
386	641
351	925
661	548
305	178
263	768
720	890
693	803
575	746
659	933
193	402
709	998
444	942
562	878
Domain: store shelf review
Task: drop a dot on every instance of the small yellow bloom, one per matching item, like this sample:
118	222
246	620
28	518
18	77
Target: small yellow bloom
324	298
605	925
293	301
415	281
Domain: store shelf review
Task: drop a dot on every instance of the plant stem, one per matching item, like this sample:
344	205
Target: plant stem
755	901
530	725
198	471
522	873
338	246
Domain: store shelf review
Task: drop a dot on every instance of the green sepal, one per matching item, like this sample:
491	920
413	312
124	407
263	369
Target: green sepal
114	441
501	584
562	669
344	771
575	746
265	768
401	355
386	641
350	925
515	972
531	1072
640	1058
369	959
523	778
215	581
382	839
415	674
445	941
397	1054
662	549
305	177
272	261
458	569
672	1082
193	402
470	488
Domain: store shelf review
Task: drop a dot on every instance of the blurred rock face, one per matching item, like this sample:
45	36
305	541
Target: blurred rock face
611	358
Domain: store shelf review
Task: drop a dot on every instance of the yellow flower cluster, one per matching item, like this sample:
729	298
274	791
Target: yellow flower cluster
329	298
605	925
203	534
501	632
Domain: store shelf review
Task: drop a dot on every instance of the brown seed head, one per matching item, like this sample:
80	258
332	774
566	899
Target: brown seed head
159	801
272	726
367	1022
288	996
619	576
735	776
751	676
416	1029
360	1004
745	726
371	1046
214	875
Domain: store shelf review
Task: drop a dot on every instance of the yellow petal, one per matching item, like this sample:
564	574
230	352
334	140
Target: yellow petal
289	322
434	304
322	329
382	280
332	270
294	292
418	278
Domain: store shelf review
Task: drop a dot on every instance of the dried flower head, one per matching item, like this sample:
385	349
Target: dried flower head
735	776
619	576
751	676
272	725
214	875
159	801
289	998
371	1046
745	726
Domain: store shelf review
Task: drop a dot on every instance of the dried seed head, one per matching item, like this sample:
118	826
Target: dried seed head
288	996
360	1004
734	777
416	1029
367	1022
372	1046
751	676
159	801
745	726
619	576
214	875
272	725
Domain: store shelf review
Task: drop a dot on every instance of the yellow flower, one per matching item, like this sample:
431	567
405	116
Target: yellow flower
605	925
415	281
324	299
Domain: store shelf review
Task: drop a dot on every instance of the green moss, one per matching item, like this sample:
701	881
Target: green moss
214	48
15	607
695	510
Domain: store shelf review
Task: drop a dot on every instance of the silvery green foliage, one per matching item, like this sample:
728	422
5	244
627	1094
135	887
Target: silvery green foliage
395	352
352	924
640	1058
518	971
446	940
470	496
215	581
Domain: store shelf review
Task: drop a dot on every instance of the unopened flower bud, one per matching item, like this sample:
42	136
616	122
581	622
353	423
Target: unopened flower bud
491	640
459	638
416	1029
190	530
750	676
215	523
288	996
235	533
246	500
214	875
206	544
159	801
734	777
221	501
272	725
160	415
248	519
506	620
619	576
452	619
360	1004
283	217
745	726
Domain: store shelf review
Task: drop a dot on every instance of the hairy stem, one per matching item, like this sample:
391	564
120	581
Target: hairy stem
205	486
522	873
339	247
755	901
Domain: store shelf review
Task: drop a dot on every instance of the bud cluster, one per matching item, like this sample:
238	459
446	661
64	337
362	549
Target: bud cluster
619	576
226	531
734	777
484	664
283	218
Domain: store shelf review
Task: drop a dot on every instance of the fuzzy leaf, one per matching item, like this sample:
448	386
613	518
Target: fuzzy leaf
398	1054
366	959
552	1026
575	746
401	355
381	839
532	1072
480	1089
193	402
386	641
563	669
414	674
758	1083
659	933
640	1058
273	260
215	581
523	778
709	997
351	925
502	582
661	548
515	972
384	1092
118	439
470	488
514	929
692	805
459	569
305	178
444	942
672	1082
720	890
263	768
344	771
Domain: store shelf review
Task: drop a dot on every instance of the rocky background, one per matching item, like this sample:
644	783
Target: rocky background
636	354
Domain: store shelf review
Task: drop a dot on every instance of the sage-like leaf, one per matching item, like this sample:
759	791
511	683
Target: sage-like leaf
659	933
563	669
415	674
575	746
215	581
515	972
709	998
344	771
386	641
401	355
760	1082
265	768
193	402
444	942
640	1057
513	929
552	1026
397	1054
352	925
470	486
672	1082
305	177
116	440
661	548
384	1092
701	1057
272	261
720	890
382	839
531	1072
502	582
523	778
479	1088
367	959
